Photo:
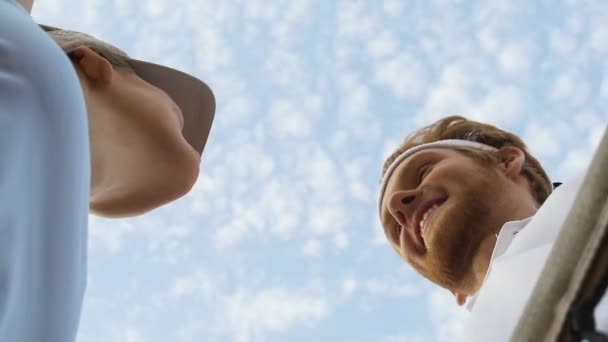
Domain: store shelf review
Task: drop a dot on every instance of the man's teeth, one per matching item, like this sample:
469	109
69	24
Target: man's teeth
425	216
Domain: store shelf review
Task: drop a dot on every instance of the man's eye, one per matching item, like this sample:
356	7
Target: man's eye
422	173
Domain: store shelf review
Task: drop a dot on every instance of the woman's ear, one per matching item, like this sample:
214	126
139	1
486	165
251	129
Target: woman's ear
512	160
96	69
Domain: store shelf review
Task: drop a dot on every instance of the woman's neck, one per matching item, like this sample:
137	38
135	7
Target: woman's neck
27	4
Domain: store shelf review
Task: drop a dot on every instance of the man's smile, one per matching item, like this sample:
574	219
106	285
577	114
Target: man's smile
423	216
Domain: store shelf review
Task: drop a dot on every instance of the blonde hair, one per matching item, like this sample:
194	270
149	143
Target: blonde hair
458	127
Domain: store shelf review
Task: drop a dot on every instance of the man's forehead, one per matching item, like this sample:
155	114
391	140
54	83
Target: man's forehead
447	146
434	151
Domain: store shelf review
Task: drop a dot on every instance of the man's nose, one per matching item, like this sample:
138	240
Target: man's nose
402	204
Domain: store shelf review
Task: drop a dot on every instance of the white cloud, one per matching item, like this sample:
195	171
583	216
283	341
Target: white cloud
499	12
324	219
599	37
448	318
132	335
601	315
407	337
603	92
590	125
252	316
155	7
355	171
390	286
393	8
571	88
285	68
542	140
354	21
516	58
312	248
349	286
575	22
445	3
196	284
355	118
289	123
237	110
267	11
576	161
595	136
384	44
360	191
404	75
323	176
488	40
108	233
341	241
295	120
502	105
296	15
51	8
452	93
231	234
378	237
562	42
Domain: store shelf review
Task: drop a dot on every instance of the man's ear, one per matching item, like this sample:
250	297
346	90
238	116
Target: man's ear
460	298
94	67
512	160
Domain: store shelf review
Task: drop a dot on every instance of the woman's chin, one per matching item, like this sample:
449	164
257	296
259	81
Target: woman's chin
137	197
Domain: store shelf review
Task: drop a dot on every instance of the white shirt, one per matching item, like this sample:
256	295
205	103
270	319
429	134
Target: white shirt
44	184
522	247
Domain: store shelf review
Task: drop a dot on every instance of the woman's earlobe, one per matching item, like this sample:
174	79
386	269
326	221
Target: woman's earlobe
93	66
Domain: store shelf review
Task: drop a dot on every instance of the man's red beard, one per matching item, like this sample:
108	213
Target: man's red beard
454	239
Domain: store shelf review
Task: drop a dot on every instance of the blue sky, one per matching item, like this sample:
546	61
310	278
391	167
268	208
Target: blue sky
279	239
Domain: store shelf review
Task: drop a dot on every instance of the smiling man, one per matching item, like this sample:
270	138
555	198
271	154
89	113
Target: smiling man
469	208
83	128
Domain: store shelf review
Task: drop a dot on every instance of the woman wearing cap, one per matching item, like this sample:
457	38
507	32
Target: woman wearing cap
97	131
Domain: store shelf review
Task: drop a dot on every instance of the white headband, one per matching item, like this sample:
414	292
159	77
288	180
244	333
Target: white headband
448	143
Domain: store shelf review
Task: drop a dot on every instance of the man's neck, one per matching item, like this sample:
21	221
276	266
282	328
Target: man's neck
27	4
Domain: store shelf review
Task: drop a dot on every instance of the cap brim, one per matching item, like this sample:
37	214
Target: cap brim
193	96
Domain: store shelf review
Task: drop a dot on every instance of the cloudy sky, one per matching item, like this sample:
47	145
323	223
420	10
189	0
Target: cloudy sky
279	240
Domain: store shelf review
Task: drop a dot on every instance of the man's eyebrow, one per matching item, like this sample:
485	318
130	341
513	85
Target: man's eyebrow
394	179
409	161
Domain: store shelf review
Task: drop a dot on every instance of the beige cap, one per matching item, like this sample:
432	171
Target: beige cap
193	96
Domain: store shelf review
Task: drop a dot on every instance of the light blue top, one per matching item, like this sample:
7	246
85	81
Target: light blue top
44	184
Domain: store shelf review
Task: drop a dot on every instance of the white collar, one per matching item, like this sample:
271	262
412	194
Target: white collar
503	241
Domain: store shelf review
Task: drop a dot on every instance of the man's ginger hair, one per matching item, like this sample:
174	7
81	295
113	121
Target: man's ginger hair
458	127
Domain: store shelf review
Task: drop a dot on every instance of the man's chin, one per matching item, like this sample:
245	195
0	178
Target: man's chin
452	267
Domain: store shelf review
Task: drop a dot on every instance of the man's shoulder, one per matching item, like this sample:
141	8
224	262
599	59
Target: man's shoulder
572	183
546	224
